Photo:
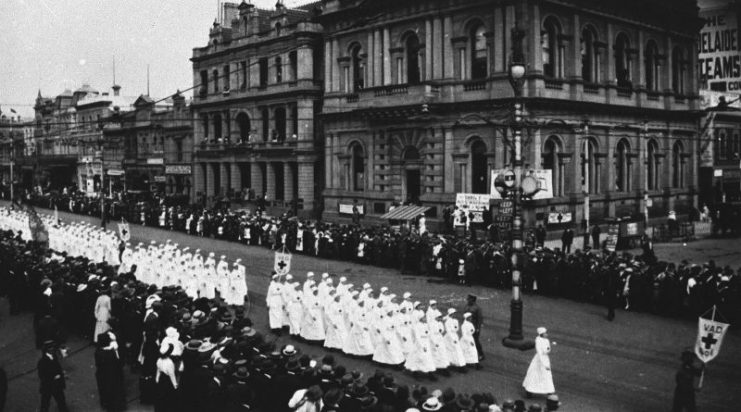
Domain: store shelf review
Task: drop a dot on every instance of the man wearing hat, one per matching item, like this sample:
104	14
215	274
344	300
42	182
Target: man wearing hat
51	378
477	319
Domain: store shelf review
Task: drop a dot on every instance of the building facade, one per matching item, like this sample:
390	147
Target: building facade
68	148
258	91
154	142
418	105
14	131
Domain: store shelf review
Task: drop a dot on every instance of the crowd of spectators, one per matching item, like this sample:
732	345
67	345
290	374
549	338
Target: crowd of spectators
203	354
644	284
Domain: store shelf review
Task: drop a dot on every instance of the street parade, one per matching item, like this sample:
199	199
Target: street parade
370	206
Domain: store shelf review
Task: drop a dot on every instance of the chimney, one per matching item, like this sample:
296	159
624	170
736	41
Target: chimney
116	88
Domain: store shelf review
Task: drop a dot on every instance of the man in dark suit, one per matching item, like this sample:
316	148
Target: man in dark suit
51	377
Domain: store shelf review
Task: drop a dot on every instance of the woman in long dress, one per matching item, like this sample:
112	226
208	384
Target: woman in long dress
359	341
437	342
167	383
452	341
539	379
102	314
420	359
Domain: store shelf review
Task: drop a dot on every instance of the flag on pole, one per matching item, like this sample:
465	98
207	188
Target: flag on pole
709	337
123	231
282	264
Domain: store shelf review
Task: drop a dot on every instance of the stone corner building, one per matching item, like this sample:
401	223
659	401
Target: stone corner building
417	102
258	92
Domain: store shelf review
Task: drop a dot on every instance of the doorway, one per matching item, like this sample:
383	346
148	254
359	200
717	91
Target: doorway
413	185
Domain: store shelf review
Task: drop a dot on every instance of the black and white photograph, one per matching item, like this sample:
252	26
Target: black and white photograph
370	205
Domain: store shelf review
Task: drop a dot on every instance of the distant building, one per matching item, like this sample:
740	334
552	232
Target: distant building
68	138
154	142
258	93
13	134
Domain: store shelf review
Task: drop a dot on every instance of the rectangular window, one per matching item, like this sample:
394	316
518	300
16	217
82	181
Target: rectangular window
227	78
263	63
215	76
294	119
204	83
293	61
179	150
278	70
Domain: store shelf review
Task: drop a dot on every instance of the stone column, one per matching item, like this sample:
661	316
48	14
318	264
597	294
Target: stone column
327	163
199	179
306	184
437	65
270	180
328	66
428	49
377	58
256	178
498	46
386	57
371	60
236	176
209	191
288	190
335	67
224	177
447	48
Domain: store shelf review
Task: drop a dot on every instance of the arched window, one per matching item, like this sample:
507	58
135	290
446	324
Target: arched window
589	63
479	52
412	56
623	61
278	26
357	167
551	46
677	165
551	149
678	70
590	171
243	123
478	167
652	165
358	68
622	166
651	66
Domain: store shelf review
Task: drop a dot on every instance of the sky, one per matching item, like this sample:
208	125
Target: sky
52	45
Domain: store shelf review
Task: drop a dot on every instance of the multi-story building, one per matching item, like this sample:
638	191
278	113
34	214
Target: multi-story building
155	141
69	145
418	105
258	90
720	88
13	131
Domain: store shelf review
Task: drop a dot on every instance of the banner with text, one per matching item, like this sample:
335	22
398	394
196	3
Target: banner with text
718	47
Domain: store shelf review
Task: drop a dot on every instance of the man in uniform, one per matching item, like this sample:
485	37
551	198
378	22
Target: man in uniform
477	318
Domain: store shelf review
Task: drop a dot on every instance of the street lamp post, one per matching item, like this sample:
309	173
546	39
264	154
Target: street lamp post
586	172
516	77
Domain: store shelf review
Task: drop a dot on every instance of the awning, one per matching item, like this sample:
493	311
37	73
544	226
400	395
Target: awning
405	212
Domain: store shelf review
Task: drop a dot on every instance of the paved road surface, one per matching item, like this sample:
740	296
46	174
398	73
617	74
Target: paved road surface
626	365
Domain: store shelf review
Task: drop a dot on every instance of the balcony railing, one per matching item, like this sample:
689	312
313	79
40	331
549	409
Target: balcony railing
474	85
352	97
390	90
592	88
554	84
624	91
653	96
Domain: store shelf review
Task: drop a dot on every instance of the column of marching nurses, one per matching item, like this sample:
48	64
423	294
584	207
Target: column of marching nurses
389	329
158	264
